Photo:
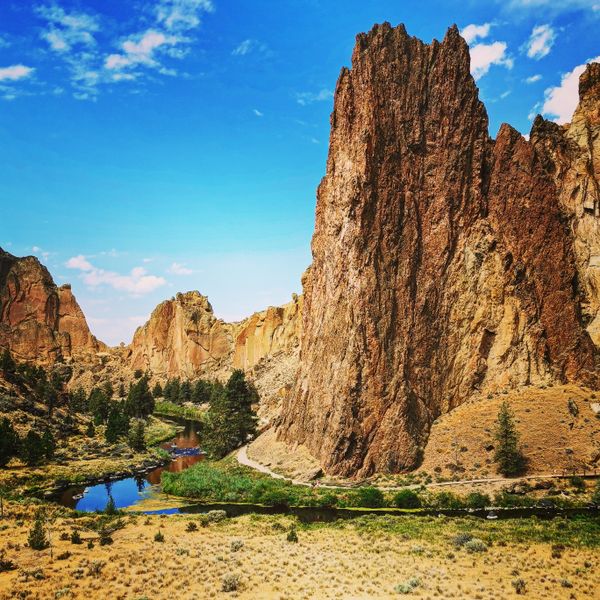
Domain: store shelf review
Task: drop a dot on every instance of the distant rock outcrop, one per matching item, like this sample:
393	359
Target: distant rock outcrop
38	320
444	263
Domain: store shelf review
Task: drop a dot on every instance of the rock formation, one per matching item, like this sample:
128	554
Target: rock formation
444	263
38	320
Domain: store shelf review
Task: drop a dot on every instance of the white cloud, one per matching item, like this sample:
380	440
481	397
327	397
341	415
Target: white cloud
137	283
540	41
561	101
140	49
257	112
554	6
533	79
483	56
67	30
305	98
15	72
177	15
180	269
472	32
79	262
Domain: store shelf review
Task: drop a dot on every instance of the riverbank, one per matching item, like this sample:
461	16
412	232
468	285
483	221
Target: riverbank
256	556
227	481
84	461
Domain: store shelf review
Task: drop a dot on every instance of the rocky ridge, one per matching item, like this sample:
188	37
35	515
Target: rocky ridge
445	263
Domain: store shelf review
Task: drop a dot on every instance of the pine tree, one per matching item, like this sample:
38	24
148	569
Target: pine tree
117	424
140	402
157	390
77	401
137	439
185	392
48	444
108	390
32	448
38	540
9	442
231	419
91	430
122	392
99	406
508	455
201	391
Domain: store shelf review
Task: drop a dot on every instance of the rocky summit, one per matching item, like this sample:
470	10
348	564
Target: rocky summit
445	263
38	320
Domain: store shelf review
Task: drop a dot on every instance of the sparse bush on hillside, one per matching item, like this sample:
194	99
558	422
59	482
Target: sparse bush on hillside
475	545
37	535
230	583
292	536
408	586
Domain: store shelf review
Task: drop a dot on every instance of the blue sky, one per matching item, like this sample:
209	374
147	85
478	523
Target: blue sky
150	147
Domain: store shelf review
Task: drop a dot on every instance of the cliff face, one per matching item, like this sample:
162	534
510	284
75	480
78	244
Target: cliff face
443	261
183	338
38	320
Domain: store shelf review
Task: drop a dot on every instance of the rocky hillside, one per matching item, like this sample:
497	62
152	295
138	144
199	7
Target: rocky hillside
43	323
445	263
38	320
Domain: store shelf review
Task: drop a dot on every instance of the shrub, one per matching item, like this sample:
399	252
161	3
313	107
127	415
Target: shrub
95	567
64	536
447	500
478	500
578	483
230	583
6	564
476	545
461	539
191	526
566	583
520	586
236	545
292	536
407	499
75	537
369	497
110	508
159	537
216	516
408	586
63	555
90	544
37	535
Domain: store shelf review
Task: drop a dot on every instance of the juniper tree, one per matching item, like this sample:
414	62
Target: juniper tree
9	442
38	540
137	439
508	455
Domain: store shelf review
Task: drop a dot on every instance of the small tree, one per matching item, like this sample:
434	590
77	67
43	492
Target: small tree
9	442
508	455
7	365
99	406
157	390
48	444
38	540
91	430
32	448
137	439
117	424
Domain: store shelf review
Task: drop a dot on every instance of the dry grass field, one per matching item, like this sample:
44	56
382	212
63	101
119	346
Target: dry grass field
377	557
553	438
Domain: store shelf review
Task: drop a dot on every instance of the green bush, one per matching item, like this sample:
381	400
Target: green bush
37	535
75	537
408	586
478	500
596	494
159	537
292	536
230	583
407	499
447	500
368	497
475	545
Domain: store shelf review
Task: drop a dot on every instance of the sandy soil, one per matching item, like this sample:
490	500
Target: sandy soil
327	562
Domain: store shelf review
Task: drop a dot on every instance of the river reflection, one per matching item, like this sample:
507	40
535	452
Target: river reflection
129	491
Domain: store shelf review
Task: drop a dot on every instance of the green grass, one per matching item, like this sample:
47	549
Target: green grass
170	409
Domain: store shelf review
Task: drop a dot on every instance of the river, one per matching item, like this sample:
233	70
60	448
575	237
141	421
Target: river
131	490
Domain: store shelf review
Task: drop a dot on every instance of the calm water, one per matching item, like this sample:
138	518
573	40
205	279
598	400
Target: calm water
129	491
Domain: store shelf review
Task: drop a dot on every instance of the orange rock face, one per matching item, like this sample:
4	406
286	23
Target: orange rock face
38	320
183	338
444	262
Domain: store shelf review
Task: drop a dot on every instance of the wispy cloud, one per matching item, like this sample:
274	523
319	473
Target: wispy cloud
473	32
136	283
540	42
561	101
250	46
179	269
305	98
552	6
533	79
257	112
94	59
483	56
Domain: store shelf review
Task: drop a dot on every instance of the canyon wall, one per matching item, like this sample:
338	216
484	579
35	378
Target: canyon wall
38	320
444	263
